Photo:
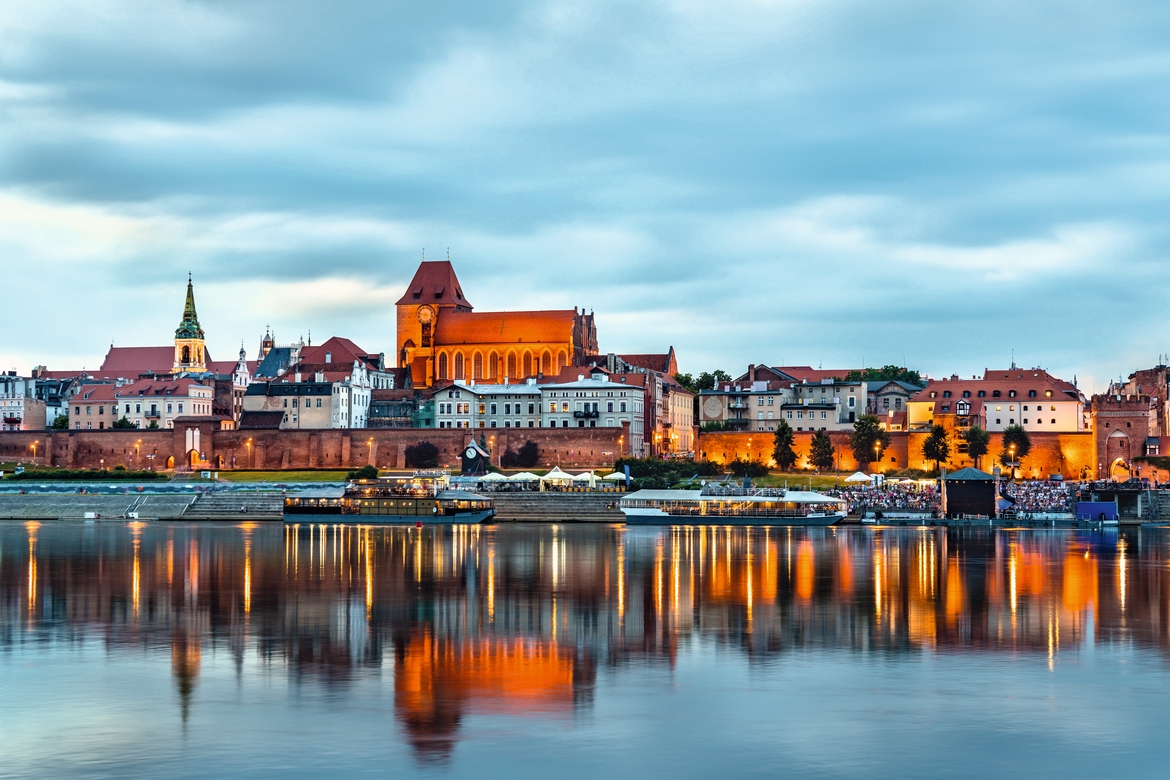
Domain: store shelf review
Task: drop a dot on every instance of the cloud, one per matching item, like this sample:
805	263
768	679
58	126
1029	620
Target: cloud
825	180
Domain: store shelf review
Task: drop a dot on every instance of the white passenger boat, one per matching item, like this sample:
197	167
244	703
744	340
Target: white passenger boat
721	505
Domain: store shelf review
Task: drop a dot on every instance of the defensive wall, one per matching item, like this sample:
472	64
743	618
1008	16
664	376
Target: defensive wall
1072	454
201	445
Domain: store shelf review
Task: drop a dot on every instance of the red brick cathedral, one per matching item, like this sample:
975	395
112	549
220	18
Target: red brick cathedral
441	339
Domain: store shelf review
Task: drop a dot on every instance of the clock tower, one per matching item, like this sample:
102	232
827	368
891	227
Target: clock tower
190	354
434	290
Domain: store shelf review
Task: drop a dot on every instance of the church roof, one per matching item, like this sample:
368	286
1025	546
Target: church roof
189	326
129	362
664	362
512	327
435	283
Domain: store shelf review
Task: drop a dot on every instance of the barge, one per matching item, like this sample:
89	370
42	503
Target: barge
720	505
419	498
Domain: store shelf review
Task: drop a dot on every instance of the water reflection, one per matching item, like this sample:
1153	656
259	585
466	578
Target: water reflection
517	620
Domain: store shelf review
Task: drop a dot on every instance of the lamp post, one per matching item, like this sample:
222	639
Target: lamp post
877	451
34	451
248	443
370	451
1012	451
137	449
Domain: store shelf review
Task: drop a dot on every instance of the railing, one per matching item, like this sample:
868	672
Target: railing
738	421
587	415
737	405
151	414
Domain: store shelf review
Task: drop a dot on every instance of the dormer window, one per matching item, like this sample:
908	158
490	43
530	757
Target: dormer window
946	393
982	393
995	394
1031	393
933	394
1011	393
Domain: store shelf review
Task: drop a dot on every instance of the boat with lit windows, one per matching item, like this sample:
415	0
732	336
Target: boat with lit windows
731	505
421	497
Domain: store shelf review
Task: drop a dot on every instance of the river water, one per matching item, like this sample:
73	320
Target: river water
258	650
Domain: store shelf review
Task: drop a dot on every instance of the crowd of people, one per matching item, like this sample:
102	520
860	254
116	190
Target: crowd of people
900	497
1039	496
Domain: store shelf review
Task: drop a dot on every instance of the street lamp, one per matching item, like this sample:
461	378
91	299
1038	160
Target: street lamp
1012	451
34	450
370	451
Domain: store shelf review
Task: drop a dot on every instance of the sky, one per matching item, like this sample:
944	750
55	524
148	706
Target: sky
791	182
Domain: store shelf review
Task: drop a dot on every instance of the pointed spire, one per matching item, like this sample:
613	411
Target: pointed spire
189	326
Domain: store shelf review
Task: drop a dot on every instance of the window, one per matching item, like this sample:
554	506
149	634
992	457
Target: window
946	393
169	408
824	415
982	393
966	393
609	406
800	415
137	408
760	401
318	403
564	406
552	406
1054	409
1025	421
852	402
886	402
788	415
995	394
759	415
294	406
1011	393
623	407
1031	393
770	401
180	408
1054	421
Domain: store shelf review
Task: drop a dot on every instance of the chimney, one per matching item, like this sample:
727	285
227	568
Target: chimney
580	377
751	372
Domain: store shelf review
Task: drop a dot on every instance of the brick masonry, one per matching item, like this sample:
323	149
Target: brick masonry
1070	454
569	448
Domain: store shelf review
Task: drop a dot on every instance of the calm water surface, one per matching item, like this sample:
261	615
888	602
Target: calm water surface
256	650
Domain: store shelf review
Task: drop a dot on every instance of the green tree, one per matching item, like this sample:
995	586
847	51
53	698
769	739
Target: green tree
937	446
365	472
153	424
821	453
782	451
122	422
708	379
423	455
528	454
885	374
1015	434
687	381
978	442
869	440
61	423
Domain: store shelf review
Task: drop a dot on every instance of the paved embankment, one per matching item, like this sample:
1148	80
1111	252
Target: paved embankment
557	508
237	505
68	506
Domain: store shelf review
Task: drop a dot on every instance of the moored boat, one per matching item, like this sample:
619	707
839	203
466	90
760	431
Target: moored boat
721	505
421	497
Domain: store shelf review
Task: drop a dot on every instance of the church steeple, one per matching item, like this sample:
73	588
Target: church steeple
190	354
189	325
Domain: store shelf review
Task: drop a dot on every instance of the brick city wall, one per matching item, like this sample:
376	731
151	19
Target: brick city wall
1070	454
569	448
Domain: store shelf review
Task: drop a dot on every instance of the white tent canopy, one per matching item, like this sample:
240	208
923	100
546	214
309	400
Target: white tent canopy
615	476
493	476
584	476
556	475
858	476
524	476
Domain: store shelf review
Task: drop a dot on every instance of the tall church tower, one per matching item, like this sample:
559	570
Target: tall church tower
434	290
190	354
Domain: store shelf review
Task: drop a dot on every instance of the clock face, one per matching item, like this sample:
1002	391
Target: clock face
470	452
425	314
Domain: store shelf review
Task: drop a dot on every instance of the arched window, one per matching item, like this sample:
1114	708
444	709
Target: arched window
459	365
493	366
512	365
546	363
527	364
442	365
562	361
477	366
186	355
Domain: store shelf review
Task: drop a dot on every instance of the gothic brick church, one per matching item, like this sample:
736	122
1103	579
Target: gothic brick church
440	337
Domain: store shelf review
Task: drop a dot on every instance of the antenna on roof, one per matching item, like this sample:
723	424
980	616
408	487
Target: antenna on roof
448	254
424	254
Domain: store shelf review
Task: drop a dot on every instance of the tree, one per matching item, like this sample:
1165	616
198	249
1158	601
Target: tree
153	424
687	381
528	455
782	451
122	422
821	453
747	468
1015	434
937	446
885	374
708	379
61	423
423	455
365	472
978	442
868	436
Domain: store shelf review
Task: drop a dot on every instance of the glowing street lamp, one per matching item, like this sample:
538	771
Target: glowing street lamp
34	451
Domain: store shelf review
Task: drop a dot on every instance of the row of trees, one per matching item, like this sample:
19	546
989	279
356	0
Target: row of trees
869	440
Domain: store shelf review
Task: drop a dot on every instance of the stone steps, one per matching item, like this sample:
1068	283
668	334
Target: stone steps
227	506
49	506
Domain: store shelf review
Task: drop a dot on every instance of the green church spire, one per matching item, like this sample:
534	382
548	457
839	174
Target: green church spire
189	327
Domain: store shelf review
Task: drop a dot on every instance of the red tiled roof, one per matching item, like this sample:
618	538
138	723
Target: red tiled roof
1015	374
435	283
94	393
513	327
229	366
1021	385
341	349
129	362
652	362
62	374
390	395
158	387
254	421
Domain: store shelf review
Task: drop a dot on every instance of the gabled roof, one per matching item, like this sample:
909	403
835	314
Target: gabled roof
664	362
144	388
229	366
277	358
129	362
94	393
339	349
810	374
513	327
435	283
255	421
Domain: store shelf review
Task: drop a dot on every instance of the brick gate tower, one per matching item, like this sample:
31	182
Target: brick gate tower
1120	425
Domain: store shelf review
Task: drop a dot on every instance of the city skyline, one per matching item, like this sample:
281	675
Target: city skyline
823	185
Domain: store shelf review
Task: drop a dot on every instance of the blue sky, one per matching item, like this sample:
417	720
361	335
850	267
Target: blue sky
787	182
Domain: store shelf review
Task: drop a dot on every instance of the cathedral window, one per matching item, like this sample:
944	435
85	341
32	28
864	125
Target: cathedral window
459	365
477	366
443	366
512	365
527	364
546	363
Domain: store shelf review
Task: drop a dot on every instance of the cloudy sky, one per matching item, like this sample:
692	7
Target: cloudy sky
798	181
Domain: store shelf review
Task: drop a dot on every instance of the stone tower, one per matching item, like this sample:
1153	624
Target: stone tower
1120	424
190	353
